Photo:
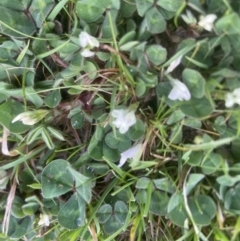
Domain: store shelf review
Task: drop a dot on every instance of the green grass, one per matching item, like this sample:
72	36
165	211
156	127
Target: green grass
80	115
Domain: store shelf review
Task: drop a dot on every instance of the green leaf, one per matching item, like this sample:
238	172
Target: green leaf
137	130
156	54
175	117
56	133
82	185
16	209
141	88
128	46
165	184
33	134
95	149
47	139
170	5
155	21
30	208
176	210
91	69
18	227
4	178
143	183
112	225
56	179
193	180
197	108
141	196
23	18
228	24
118	141
110	153
202	208
128	37
109	24
8	111
91	11
120	212
104	213
127	8
195	82
143	6
227	180
176	134
53	99
159	202
231	201
77	121
212	163
195	158
72	213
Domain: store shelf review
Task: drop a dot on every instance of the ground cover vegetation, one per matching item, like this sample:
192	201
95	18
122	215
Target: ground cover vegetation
120	120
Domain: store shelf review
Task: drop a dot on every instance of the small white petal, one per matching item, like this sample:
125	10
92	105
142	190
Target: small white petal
87	40
232	98
19	117
44	220
124	119
207	21
118	113
123	128
174	94
130	118
87	53
229	100
27	118
179	91
174	64
29	121
131	153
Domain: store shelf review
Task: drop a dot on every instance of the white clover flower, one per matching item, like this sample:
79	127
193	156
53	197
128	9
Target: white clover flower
174	64
232	98
134	153
87	53
30	117
179	91
124	119
206	22
44	220
87	42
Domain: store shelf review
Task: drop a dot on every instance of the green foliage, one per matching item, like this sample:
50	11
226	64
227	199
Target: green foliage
167	167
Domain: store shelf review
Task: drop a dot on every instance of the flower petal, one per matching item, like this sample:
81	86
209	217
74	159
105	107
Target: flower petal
86	40
174	64
229	100
19	117
123	119
87	53
132	153
207	22
179	91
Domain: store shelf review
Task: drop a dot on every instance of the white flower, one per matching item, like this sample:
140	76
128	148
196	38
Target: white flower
179	91
87	42
30	117
123	119
87	53
44	220
206	22
134	153
232	98
174	64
